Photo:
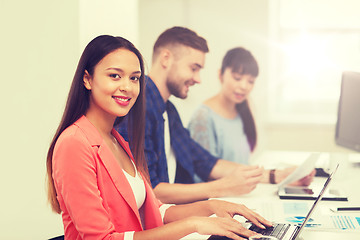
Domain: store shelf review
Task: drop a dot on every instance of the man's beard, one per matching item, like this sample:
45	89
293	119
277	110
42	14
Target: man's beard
176	89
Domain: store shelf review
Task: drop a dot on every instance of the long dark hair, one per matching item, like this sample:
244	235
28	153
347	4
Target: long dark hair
78	103
241	61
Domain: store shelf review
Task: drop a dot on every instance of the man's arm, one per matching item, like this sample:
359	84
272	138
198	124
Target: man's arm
223	168
233	179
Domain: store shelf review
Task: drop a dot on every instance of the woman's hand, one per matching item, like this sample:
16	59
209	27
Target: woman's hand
281	174
229	210
221	226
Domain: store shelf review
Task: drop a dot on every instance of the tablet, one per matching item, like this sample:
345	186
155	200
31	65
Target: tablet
306	193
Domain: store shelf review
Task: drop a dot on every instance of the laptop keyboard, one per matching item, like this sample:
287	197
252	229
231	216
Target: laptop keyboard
278	230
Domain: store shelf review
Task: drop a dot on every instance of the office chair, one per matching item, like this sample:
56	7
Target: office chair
57	238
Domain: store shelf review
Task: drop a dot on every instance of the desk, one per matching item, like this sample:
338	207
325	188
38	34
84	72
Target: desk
347	179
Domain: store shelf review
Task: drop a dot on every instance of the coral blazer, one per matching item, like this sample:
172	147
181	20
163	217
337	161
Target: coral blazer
96	199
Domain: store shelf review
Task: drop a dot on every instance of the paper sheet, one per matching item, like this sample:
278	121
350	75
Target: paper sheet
301	171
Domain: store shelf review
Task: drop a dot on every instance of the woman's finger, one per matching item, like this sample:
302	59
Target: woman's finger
254	217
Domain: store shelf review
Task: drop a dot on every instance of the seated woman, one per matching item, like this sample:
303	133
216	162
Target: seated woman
224	124
96	183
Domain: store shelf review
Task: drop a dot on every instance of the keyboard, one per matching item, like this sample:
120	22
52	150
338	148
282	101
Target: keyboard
278	230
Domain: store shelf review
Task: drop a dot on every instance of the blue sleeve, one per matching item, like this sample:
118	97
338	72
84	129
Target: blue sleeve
202	130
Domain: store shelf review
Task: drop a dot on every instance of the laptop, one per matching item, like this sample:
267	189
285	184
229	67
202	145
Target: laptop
285	231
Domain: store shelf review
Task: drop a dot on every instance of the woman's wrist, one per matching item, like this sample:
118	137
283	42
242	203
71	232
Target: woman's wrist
204	208
212	206
192	224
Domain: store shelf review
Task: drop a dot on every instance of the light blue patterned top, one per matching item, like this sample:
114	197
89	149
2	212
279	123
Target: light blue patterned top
222	137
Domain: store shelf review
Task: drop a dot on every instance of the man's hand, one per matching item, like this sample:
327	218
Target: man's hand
243	179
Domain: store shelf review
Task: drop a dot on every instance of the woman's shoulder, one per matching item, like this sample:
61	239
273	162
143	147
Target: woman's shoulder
72	136
212	104
74	150
202	117
81	132
202	111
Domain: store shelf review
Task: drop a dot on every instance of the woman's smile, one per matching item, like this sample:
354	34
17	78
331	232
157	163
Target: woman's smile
122	100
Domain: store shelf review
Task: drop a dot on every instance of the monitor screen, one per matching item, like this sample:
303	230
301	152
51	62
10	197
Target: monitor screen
348	120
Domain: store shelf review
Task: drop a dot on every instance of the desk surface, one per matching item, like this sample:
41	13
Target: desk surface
347	179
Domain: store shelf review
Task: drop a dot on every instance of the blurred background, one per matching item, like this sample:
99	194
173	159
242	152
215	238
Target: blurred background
302	47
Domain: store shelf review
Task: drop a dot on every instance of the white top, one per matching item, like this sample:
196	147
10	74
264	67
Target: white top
138	188
137	185
170	156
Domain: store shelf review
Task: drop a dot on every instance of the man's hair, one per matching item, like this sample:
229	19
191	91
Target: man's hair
181	36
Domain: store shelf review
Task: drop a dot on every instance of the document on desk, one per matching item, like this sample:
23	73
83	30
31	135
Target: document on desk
321	222
344	222
338	222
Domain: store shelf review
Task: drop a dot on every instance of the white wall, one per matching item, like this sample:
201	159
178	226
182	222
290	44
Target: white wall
39	50
41	42
113	17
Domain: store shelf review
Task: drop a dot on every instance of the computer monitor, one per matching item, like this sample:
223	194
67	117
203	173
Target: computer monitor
348	119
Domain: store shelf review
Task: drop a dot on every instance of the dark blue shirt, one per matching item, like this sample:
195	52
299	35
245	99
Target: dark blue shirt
190	157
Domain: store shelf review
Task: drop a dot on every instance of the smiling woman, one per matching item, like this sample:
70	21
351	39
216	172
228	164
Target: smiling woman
114	88
109	71
114	85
